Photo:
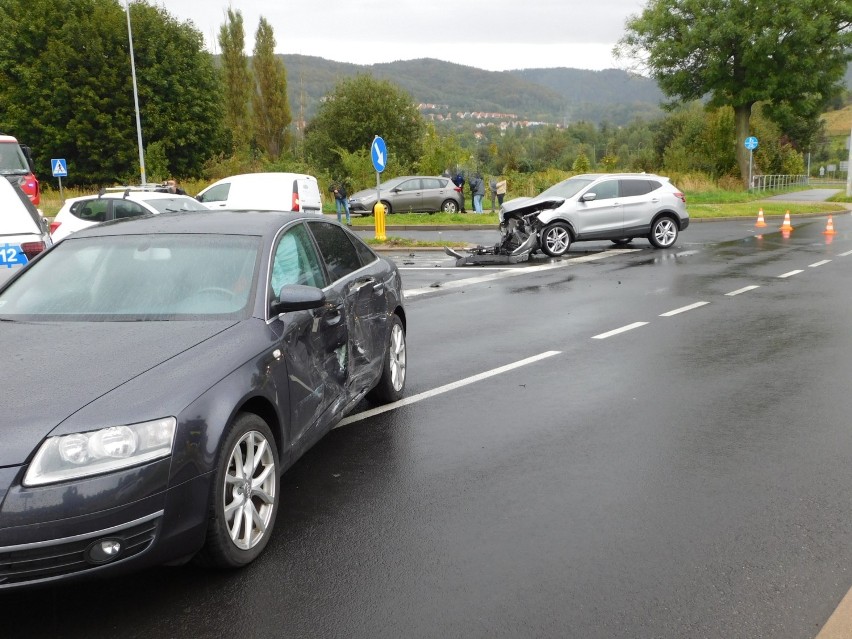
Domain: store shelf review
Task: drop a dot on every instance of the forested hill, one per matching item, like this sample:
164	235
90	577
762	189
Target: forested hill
560	95
549	95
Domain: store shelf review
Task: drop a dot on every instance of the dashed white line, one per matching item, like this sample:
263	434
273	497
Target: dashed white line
790	274
820	263
445	389
742	290
684	309
846	253
514	273
618	331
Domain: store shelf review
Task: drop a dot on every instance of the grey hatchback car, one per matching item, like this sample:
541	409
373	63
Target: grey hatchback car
601	206
408	194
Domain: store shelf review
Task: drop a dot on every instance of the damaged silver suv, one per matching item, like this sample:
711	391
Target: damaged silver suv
610	206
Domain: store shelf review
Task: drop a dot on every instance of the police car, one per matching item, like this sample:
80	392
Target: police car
24	232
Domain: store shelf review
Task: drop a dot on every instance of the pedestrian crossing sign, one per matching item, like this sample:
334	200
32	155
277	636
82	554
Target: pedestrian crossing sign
59	167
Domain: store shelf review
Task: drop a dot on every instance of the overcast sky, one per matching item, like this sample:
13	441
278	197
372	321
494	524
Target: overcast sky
488	34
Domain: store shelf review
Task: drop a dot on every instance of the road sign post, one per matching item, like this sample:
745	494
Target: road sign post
59	168
751	145
379	156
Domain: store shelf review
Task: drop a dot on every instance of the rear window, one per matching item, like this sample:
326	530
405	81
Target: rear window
12	159
90	210
637	187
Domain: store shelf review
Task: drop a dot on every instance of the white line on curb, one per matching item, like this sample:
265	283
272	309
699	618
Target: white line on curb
444	389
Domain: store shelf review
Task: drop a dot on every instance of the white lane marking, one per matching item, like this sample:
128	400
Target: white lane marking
790	274
744	289
445	389
617	331
815	264
846	253
514	272
684	309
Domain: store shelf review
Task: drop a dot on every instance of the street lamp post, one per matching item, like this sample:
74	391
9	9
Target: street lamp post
135	97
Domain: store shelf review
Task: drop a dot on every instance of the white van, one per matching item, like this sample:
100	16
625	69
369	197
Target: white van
264	192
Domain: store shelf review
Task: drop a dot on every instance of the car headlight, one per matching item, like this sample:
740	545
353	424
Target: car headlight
82	454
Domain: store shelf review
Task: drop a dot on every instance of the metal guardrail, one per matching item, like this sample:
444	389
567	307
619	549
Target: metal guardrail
777	182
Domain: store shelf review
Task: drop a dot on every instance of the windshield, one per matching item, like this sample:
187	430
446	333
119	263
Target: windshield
12	159
138	278
566	189
172	204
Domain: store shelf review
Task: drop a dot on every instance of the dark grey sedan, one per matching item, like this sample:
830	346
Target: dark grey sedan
162	372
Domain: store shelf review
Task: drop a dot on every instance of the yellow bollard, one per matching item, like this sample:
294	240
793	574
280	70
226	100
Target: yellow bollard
379	213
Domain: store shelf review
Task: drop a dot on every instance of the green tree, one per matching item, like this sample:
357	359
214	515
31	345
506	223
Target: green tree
237	81
270	106
740	52
66	88
357	110
581	164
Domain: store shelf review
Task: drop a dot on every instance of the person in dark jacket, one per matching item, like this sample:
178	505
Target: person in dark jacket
341	200
459	182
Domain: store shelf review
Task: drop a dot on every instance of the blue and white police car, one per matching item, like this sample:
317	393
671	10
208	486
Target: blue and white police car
24	233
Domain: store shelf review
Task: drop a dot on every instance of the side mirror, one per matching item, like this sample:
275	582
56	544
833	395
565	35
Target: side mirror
588	197
296	297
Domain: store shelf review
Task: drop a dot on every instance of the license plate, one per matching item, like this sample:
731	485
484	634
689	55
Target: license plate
12	255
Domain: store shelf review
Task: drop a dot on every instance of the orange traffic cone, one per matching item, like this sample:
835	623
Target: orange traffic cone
786	226
760	221
829	227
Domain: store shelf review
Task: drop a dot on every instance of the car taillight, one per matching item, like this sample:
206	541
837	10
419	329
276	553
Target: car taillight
31	249
457	189
295	206
680	195
54	226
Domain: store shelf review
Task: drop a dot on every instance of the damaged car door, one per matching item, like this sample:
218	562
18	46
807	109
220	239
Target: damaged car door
358	277
313	343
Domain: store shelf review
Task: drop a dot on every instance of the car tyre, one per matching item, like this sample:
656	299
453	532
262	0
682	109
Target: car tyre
555	239
450	206
664	232
388	207
238	527
392	382
622	241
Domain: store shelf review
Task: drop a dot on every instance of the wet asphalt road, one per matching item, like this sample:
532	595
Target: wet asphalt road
689	477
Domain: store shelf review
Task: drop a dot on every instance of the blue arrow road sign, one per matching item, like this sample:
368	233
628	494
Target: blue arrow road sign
751	143
59	167
379	153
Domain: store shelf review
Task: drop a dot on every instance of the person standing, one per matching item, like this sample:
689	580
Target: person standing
341	201
459	182
477	187
501	191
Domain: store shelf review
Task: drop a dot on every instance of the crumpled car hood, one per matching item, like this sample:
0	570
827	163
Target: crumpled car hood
52	370
525	205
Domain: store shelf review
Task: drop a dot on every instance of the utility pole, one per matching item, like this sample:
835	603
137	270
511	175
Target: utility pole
135	97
